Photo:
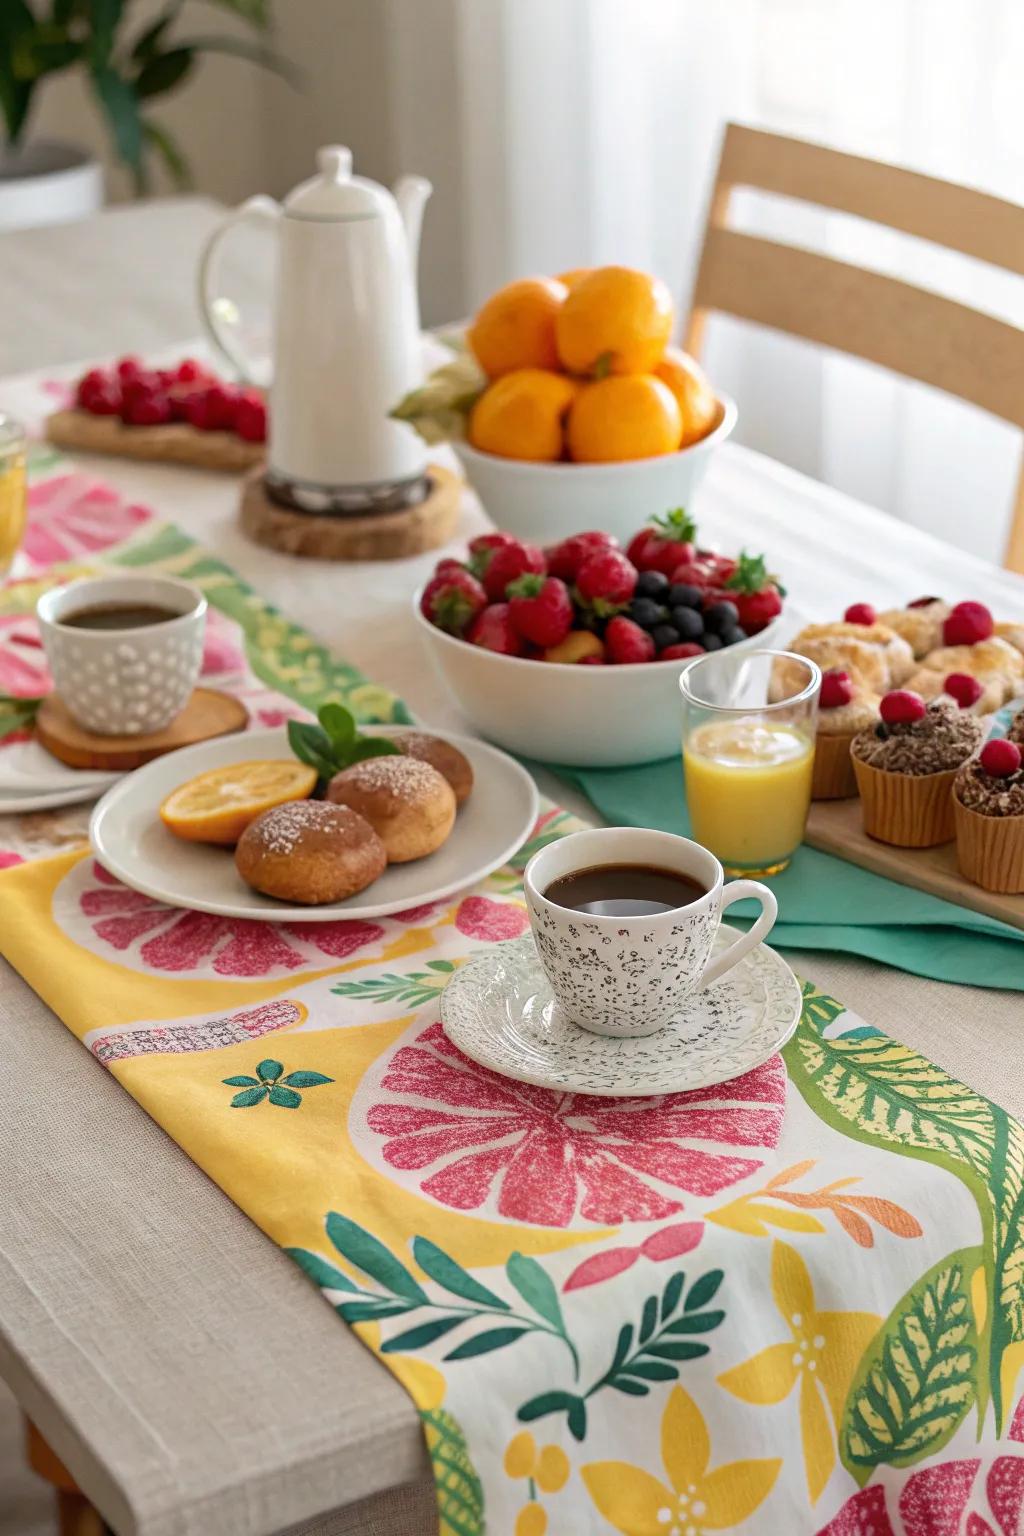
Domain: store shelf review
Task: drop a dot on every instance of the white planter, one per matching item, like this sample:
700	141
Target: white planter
45	182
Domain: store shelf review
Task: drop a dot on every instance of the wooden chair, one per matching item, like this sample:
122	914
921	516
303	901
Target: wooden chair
913	332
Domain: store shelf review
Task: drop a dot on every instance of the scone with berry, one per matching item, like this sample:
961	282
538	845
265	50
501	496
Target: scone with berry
988	804
843	710
906	764
919	623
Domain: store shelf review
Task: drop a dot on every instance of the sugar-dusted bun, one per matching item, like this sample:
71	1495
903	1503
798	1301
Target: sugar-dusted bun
983	659
899	658
410	805
920	627
866	663
1012	633
450	763
931	684
310	852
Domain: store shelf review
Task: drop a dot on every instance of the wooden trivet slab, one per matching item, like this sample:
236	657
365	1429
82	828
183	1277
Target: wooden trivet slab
208	713
377	536
835	826
175	443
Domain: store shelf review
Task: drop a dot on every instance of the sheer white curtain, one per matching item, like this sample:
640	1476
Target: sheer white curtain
587	132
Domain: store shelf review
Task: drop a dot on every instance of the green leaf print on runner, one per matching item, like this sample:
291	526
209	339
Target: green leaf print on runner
460	1494
281	654
270	1085
919	1376
882	1093
415	988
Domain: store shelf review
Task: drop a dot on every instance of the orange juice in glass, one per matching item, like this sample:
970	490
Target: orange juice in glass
748	753
13	493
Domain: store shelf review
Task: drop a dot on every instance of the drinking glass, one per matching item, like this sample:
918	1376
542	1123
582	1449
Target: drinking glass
749	723
13	497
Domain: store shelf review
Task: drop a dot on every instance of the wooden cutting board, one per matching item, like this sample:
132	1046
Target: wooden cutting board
175	443
835	826
208	713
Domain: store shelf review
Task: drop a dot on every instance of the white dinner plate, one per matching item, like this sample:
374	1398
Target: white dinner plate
32	779
131	841
499	1010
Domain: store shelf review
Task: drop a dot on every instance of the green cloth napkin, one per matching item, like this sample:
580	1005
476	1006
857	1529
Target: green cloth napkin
826	903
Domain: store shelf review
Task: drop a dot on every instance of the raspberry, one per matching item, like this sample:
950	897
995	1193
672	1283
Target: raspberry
861	613
836	685
151	409
129	368
212	409
1000	758
964	688
250	416
902	707
967	624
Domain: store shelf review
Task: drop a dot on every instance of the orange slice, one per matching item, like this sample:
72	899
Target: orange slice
217	806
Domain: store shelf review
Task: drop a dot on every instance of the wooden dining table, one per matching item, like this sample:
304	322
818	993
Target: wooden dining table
184	1370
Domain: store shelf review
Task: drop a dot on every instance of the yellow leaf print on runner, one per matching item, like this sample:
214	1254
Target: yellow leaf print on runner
821	1353
694	1499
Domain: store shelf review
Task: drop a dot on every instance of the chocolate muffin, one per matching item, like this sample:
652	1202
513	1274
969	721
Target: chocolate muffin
905	767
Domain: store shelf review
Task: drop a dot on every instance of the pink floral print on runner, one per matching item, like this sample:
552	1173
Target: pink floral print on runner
475	1141
70	516
934	1501
108	918
214	1034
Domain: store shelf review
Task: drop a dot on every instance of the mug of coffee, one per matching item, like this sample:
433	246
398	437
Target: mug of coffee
124	651
625	919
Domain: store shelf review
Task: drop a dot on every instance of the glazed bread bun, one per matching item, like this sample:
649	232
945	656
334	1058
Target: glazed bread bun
450	763
309	852
408	804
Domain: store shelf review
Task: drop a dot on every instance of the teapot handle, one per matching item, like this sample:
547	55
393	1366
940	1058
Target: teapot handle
219	313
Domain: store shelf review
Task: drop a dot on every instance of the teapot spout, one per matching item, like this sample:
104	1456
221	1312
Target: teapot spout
411	193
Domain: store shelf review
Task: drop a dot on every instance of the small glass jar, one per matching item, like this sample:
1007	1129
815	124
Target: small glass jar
749	720
13	490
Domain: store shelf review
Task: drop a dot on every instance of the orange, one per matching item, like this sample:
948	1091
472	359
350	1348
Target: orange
615	320
520	416
689	383
573	276
516	327
631	416
217	806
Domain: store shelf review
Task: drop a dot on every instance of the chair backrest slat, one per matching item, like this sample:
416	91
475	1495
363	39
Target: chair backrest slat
919	334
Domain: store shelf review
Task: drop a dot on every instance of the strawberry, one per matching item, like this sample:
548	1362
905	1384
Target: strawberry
757	595
250	416
681	651
664	543
605	582
446	566
703	569
540	608
484	547
493	630
453	600
565	559
626	643
967	624
498	564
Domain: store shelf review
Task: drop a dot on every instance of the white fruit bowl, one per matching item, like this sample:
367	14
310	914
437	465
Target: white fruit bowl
547	502
584	717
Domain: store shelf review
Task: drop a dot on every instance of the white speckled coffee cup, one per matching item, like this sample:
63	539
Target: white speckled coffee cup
124	682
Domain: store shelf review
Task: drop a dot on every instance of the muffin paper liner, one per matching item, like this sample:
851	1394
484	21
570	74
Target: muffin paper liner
990	849
904	809
834	778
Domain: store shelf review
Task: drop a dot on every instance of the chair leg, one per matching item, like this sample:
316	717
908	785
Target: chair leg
1013	556
75	1515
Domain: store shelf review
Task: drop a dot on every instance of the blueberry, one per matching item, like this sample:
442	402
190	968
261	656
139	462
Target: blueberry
712	642
665	635
732	636
689	622
718	617
647	613
652	584
680	595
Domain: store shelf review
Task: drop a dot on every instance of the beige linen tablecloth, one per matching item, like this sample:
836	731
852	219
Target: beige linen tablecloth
177	1412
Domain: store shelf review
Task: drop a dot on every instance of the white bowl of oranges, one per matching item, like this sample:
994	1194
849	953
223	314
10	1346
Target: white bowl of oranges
571	410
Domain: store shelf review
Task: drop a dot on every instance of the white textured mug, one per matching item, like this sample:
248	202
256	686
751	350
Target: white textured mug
627	976
124	682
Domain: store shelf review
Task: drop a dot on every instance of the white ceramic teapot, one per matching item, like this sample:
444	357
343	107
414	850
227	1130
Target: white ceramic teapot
346	335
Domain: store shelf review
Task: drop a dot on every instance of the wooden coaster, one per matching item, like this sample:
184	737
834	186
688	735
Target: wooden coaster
176	443
208	713
377	536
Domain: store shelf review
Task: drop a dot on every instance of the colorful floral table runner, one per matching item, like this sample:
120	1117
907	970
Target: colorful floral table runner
792	1303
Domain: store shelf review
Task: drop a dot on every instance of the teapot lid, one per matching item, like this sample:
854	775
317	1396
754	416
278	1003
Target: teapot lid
335	194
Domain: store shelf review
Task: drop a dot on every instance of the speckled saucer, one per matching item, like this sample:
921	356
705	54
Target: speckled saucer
499	1010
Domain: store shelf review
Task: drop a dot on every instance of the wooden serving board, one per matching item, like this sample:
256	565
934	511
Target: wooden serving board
175	443
208	713
835	826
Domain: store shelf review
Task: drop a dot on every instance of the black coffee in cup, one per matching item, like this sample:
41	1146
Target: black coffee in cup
624	890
